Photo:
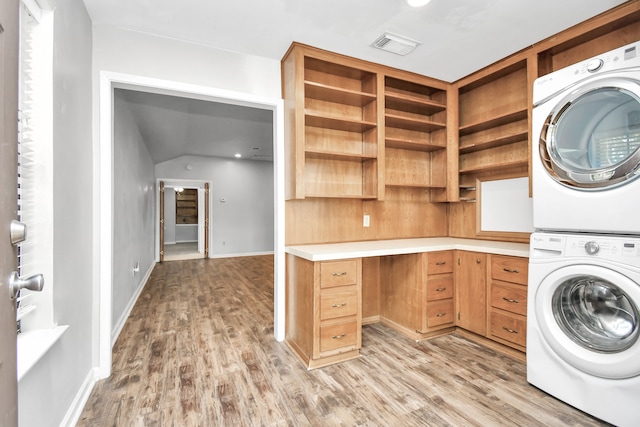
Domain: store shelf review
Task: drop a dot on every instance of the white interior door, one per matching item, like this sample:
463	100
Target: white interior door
8	207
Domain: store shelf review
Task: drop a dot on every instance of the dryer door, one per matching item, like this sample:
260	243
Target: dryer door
591	138
590	316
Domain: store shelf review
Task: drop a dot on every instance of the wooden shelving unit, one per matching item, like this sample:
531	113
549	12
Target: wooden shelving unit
415	135
333	141
187	206
493	123
357	128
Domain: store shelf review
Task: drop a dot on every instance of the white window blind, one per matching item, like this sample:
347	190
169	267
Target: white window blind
35	164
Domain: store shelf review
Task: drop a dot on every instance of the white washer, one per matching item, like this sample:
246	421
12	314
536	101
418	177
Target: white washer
586	145
583	322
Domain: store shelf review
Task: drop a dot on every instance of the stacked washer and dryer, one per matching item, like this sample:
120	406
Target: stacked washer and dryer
583	319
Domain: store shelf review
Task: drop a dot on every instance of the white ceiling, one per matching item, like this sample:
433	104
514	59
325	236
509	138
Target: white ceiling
457	37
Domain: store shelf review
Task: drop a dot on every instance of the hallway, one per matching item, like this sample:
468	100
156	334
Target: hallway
182	251
198	350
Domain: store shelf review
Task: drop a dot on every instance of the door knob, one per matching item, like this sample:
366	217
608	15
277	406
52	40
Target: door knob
32	283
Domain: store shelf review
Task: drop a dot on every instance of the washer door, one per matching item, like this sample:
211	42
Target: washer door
591	139
590	316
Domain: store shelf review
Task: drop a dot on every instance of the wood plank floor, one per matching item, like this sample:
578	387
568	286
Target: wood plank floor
198	350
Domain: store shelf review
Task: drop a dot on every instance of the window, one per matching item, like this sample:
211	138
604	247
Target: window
35	163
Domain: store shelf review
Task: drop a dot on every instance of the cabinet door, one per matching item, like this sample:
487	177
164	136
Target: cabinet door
470	278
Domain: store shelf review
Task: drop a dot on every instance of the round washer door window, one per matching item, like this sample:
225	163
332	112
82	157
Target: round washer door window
591	139
590	316
596	314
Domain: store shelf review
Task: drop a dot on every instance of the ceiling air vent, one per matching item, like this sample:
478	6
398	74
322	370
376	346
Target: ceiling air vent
395	43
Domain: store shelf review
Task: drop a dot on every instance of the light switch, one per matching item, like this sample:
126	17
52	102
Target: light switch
366	220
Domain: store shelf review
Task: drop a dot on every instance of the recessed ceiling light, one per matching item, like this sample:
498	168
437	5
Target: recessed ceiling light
237	155
417	3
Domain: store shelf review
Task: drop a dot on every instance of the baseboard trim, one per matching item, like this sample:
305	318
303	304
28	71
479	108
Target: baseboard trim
80	400
115	332
240	254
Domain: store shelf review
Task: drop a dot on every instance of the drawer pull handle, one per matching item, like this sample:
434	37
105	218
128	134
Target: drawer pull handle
511	331
441	262
344	273
344	304
515	301
441	289
441	314
339	337
508	270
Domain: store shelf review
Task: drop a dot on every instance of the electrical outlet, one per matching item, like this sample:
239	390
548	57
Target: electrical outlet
366	220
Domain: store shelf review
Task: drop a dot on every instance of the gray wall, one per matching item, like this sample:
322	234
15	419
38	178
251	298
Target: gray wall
243	223
47	391
134	204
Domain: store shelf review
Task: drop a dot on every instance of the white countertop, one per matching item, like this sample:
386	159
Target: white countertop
329	251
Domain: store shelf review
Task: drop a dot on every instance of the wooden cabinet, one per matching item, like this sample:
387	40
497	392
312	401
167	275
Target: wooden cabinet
440	291
355	128
471	294
417	293
324	310
507	308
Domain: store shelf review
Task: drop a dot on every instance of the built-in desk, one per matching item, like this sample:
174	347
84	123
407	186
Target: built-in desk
407	284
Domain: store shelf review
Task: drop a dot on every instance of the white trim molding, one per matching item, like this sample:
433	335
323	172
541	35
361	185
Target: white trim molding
103	219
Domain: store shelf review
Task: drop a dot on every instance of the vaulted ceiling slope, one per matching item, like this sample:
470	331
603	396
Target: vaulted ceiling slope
457	37
173	126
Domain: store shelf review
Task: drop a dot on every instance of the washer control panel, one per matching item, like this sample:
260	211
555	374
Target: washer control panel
624	249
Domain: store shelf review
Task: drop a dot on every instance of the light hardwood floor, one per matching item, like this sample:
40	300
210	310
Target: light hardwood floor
198	350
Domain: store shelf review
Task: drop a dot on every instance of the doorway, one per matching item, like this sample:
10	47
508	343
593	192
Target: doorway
184	217
105	213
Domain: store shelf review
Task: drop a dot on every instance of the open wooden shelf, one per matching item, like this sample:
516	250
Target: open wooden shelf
412	103
412	123
335	94
338	123
492	122
407	144
495	136
412	185
339	196
334	155
495	166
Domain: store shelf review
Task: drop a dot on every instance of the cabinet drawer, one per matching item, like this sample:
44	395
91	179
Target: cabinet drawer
439	287
510	298
338	304
338	273
510	269
439	313
338	335
509	327
440	262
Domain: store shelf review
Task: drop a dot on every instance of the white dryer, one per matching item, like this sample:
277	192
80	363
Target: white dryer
586	145
583	323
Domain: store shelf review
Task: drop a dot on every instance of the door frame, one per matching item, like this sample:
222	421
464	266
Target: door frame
103	193
199	184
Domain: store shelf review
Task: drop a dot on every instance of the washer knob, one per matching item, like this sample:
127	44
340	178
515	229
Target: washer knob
594	65
591	247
